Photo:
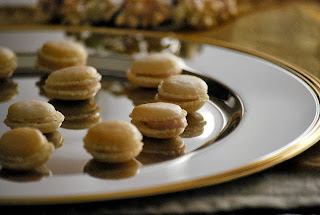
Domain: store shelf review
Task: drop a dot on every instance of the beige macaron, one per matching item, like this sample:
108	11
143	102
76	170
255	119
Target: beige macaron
114	141
24	149
187	91
80	114
35	114
8	62
149	70
159	119
59	54
73	83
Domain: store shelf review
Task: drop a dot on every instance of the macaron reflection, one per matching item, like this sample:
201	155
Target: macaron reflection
25	176
8	89
140	95
112	170
159	150
195	125
40	84
80	114
55	138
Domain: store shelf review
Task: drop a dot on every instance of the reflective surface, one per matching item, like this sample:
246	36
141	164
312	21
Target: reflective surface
279	112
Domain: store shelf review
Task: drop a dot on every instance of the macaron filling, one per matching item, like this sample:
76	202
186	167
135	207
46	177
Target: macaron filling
166	124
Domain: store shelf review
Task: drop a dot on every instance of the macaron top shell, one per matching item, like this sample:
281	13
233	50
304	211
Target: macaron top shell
33	111
73	75
183	87
63	49
6	56
157	111
22	142
156	64
116	135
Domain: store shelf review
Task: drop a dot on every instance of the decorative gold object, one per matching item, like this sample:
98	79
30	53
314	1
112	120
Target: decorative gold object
146	14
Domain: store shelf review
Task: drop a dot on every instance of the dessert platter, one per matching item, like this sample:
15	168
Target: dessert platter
255	111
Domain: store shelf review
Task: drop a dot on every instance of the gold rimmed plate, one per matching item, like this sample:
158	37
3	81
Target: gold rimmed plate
261	112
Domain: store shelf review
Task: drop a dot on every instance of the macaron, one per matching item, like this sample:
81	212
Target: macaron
24	149
8	62
80	114
195	127
73	83
159	119
54	55
114	141
187	91
35	114
149	70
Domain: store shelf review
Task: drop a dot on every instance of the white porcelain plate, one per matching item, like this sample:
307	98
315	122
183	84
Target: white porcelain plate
261	112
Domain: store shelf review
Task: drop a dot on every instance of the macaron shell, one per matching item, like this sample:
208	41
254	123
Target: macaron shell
157	111
24	148
6	56
182	87
55	55
189	106
155	64
115	156
25	111
73	83
35	114
63	48
74	75
143	81
157	133
86	93
8	62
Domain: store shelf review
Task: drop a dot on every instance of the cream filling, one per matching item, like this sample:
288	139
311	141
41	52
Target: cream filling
168	124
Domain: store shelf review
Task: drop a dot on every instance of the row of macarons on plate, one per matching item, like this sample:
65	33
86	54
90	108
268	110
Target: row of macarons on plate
70	79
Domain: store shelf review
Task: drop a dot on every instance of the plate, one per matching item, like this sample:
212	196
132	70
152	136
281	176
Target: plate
261	112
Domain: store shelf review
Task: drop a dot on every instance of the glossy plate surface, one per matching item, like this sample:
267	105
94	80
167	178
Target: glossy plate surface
263	111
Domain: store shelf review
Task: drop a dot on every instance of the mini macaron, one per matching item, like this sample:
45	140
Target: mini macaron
24	149
187	91
114	141
59	54
159	119
8	62
35	114
149	70
73	83
80	114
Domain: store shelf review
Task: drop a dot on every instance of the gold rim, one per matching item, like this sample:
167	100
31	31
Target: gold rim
303	144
